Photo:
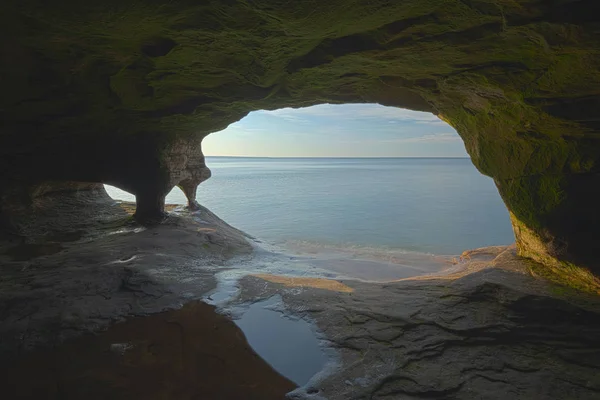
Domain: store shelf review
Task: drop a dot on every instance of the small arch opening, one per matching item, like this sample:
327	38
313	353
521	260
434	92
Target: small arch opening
175	196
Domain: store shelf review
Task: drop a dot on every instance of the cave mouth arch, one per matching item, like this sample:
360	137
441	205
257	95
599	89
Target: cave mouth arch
350	175
520	83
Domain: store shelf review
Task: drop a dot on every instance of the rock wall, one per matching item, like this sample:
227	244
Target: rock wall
123	91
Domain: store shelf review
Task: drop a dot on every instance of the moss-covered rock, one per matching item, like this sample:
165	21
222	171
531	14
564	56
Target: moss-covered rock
107	92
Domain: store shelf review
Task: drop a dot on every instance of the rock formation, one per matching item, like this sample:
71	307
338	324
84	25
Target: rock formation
122	92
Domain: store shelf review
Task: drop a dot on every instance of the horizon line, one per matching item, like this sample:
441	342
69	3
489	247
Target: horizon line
366	157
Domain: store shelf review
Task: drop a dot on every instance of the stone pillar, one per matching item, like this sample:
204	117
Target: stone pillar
186	167
150	205
150	178
189	188
150	192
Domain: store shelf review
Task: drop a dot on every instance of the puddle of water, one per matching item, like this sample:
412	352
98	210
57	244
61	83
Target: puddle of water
288	345
190	353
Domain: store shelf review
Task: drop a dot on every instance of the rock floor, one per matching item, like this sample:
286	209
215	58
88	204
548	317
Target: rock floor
494	333
109	309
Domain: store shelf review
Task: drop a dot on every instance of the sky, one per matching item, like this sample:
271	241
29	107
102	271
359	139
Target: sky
329	130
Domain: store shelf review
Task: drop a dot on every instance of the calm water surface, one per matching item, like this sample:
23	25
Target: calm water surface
287	344
368	219
430	205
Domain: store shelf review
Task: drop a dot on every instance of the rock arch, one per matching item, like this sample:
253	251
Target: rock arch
122	92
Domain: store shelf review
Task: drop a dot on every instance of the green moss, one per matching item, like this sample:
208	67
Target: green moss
493	69
567	277
533	198
221	46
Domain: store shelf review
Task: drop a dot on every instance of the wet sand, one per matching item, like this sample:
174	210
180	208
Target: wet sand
191	353
369	263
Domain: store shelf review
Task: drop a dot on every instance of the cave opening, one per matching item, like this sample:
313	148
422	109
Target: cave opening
349	176
124	92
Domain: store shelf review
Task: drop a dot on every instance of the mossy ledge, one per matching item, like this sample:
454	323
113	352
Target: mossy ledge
122	92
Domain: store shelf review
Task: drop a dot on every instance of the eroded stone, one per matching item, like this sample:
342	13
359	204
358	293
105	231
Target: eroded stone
123	93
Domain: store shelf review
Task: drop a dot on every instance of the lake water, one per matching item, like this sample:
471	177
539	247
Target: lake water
425	205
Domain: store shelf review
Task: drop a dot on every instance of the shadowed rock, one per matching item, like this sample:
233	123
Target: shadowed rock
486	328
123	92
188	353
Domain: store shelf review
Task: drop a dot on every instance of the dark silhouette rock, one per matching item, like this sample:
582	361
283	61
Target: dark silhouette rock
123	93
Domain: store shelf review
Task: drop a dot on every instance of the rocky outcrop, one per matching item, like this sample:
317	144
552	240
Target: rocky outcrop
484	328
122	92
188	169
77	262
490	331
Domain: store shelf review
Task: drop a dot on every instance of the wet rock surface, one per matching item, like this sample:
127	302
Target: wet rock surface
489	332
59	285
484	328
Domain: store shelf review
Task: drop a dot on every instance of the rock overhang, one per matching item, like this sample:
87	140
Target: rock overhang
123	92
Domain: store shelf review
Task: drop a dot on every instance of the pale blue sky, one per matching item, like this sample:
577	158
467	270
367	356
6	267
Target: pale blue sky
328	130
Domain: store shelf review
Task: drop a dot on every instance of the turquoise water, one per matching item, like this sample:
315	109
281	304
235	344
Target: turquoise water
429	205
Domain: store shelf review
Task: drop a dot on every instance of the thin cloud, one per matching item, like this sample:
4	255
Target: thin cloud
429	138
238	127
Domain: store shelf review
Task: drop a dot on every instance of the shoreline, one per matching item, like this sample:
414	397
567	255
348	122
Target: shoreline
388	338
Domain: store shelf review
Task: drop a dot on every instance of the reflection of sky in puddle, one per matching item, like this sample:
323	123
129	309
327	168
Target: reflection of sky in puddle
288	344
189	353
